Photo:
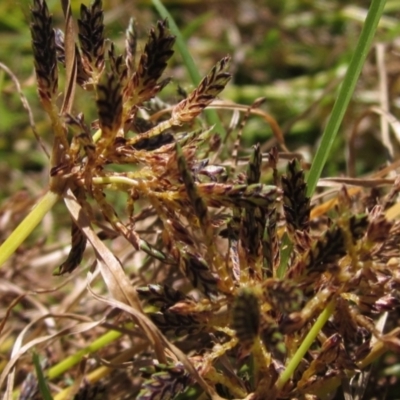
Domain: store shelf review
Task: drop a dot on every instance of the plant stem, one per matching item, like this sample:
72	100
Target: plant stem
69	362
25	228
346	91
43	387
305	345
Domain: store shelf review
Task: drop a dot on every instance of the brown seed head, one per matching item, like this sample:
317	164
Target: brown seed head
44	51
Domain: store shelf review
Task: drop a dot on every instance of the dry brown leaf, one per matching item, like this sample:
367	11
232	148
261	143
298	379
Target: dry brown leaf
70	58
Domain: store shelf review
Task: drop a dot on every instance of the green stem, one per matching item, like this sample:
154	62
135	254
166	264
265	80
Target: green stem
211	115
69	362
25	228
346	91
305	345
43	387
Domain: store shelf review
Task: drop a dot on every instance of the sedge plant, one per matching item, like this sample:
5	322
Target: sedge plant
226	315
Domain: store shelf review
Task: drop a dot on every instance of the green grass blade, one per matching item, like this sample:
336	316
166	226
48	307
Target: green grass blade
66	364
346	91
211	115
25	228
305	345
43	387
364	43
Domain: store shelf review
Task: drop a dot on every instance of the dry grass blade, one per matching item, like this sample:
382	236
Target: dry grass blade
9	310
269	119
82	77
203	95
256	104
27	107
19	349
70	58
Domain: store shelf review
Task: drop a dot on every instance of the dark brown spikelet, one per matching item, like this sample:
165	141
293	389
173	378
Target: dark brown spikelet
203	95
109	107
253	172
78	245
82	76
173	324
273	158
284	295
154	142
158	51
328	250
198	272
219	195
162	296
117	64
358	225
330	350
253	222
329	353
344	322
44	51
154	252
379	227
96	391
153	61
246	316
296	204
91	37
82	137
250	232
165	383
198	204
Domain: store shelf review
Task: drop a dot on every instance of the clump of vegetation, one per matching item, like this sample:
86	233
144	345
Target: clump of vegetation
247	289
